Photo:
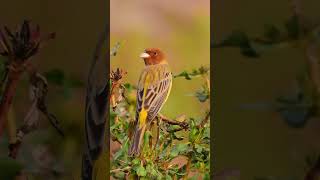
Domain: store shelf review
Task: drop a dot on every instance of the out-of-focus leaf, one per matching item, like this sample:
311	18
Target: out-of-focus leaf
295	109
58	77
151	169
115	49
141	171
202	96
293	27
195	72
10	168
236	39
179	148
55	76
272	33
136	161
199	148
168	177
184	74
129	87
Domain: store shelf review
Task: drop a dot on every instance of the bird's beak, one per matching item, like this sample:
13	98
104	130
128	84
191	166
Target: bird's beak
144	55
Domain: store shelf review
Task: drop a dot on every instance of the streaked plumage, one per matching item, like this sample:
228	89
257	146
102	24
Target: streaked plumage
152	92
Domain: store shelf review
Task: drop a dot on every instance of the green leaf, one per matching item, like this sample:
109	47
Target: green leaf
141	171
55	76
295	109
241	40
136	161
150	169
10	168
236	39
202	95
178	149
128	87
195	72
193	134
168	177
206	176
198	148
272	33
249	51
184	74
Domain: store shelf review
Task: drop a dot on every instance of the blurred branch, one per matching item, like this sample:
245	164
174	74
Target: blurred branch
96	112
314	172
38	93
14	74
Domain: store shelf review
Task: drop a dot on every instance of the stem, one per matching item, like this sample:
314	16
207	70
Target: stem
8	94
187	169
204	121
120	169
173	122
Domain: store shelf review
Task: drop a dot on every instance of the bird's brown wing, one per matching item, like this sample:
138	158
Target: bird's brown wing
153	96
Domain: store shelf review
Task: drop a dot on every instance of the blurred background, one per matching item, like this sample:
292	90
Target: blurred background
77	25
180	28
257	140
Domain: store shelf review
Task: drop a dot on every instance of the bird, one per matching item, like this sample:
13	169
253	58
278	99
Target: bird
153	90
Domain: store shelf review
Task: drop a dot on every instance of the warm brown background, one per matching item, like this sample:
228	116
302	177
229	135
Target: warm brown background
77	25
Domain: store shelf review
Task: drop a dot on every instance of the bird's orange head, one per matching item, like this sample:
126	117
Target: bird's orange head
153	56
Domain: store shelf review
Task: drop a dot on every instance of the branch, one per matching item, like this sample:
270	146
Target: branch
96	112
204	121
38	93
14	73
183	125
120	169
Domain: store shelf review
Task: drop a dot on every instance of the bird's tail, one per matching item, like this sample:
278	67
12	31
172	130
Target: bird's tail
137	141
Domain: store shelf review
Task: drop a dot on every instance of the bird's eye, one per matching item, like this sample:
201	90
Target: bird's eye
155	53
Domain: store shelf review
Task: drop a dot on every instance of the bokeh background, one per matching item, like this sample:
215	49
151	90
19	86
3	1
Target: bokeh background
77	25
181	28
259	142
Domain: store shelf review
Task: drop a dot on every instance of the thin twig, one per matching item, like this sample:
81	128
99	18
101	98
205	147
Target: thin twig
204	121
120	169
